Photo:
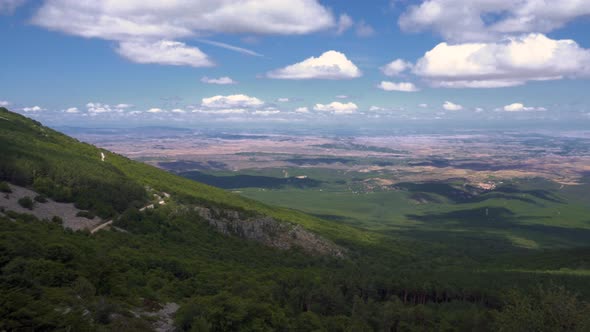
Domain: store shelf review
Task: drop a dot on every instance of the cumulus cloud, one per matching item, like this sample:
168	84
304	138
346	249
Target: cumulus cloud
519	107
302	110
72	110
164	52
33	109
149	30
224	80
481	20
401	86
95	108
450	106
283	100
231	101
155	110
330	65
337	107
4	103
233	105
130	19
423	105
178	111
123	106
396	67
512	62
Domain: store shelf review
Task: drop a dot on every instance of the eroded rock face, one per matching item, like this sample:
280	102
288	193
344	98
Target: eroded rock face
268	231
66	211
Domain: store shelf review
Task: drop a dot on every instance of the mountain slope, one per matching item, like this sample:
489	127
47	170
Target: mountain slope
108	184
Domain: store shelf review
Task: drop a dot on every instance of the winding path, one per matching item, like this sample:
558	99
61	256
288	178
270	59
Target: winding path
110	222
101	226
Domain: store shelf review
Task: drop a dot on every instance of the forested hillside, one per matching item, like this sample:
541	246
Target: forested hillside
53	278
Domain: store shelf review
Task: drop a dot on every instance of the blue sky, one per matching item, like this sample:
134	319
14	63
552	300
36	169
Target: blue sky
143	62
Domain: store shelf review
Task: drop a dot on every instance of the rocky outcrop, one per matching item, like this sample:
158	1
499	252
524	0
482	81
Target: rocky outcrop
47	210
268	231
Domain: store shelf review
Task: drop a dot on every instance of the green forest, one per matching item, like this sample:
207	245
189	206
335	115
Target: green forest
52	278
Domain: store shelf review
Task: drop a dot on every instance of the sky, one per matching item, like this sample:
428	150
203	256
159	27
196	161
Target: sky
303	63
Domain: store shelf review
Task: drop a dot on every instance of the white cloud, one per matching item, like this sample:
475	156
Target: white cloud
401	86
155	110
423	105
130	19
123	106
342	96
519	107
4	103
178	111
266	112
8	6
72	110
283	100
512	62
480	20
479	109
33	109
396	67
302	110
222	111
330	65
231	101
148	31
344	23
224	80
385	109
165	52
95	108
337	107
450	106
364	30
514	107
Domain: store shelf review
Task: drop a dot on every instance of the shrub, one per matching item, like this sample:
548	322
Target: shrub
57	220
5	188
12	214
41	198
85	214
26	202
60	253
